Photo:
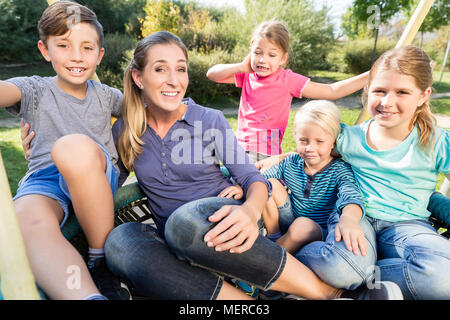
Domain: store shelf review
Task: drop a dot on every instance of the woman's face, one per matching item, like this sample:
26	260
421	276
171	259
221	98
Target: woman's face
164	79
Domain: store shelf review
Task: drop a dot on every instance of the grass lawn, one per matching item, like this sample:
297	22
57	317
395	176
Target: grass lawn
13	156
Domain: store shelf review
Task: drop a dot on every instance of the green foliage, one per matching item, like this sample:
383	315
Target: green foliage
118	52
352	27
358	53
18	30
117	16
160	15
438	16
387	9
200	88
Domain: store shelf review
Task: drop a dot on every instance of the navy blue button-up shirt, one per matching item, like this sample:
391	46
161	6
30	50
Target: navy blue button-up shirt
184	165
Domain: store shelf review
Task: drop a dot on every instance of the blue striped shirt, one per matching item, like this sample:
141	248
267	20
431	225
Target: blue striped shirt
321	194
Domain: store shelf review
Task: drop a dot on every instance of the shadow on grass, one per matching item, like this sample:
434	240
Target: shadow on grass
15	164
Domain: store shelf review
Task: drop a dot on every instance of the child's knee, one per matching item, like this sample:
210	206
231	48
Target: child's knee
279	193
34	213
77	152
303	226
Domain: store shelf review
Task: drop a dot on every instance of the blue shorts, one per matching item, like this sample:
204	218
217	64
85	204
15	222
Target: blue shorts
50	183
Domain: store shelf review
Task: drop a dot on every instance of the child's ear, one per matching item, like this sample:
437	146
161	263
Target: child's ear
425	96
284	60
44	51
100	55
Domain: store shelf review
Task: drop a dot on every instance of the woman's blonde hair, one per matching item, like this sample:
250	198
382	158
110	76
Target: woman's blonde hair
411	61
323	113
274	31
133	106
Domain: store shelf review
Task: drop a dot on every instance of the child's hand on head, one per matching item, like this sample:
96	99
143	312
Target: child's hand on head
235	192
246	65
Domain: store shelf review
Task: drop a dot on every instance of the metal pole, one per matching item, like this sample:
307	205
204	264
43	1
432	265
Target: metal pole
407	37
444	62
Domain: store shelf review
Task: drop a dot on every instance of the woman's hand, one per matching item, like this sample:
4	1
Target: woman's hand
236	230
350	231
26	138
235	192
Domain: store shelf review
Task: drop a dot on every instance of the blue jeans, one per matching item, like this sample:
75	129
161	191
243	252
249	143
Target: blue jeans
334	263
182	266
413	255
410	253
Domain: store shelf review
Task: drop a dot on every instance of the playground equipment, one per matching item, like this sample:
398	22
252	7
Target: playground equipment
17	280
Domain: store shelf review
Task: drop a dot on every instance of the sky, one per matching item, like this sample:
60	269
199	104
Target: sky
337	7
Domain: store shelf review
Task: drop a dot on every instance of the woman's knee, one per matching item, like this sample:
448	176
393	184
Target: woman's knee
184	228
77	152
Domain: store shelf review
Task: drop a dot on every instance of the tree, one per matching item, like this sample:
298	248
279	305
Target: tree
161	15
117	16
376	12
18	30
438	16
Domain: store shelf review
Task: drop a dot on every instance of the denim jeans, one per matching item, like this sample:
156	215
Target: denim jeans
182	266
413	255
410	253
136	253
334	263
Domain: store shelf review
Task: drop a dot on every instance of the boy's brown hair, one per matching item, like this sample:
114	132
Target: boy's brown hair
60	16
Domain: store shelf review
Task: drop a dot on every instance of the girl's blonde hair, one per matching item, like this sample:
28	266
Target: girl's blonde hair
411	61
323	113
133	106
274	31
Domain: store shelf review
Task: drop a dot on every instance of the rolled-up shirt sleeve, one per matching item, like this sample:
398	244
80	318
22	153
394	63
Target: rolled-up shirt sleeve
234	158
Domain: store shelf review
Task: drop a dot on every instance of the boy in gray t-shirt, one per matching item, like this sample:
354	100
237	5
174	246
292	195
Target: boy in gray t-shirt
73	156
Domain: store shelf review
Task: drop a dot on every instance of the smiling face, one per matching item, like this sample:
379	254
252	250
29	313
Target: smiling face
74	55
266	57
393	99
314	145
164	79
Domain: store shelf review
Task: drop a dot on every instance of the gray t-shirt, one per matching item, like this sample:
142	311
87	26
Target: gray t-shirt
52	113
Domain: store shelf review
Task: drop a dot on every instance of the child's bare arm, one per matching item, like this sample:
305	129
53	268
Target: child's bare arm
224	73
9	94
336	90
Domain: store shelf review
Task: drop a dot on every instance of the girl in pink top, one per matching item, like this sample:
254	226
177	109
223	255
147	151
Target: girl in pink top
268	88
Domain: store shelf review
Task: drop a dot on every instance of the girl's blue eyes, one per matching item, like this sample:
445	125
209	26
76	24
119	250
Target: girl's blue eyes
162	70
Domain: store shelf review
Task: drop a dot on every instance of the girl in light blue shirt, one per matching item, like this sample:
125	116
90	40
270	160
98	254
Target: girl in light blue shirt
396	157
